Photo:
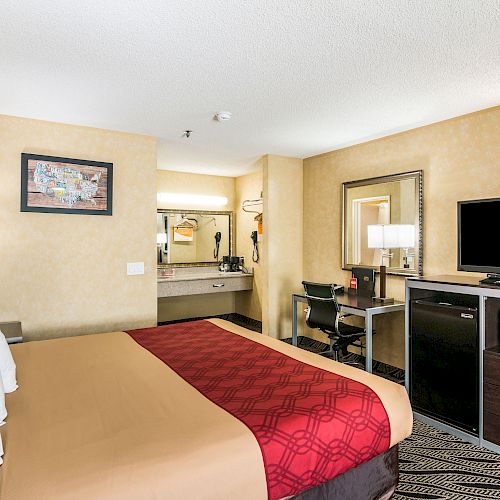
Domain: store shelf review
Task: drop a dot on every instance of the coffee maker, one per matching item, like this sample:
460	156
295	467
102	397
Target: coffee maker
230	264
235	263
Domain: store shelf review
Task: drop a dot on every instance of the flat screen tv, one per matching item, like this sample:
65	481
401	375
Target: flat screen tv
477	248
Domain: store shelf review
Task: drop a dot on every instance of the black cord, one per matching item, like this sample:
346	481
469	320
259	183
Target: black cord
255	253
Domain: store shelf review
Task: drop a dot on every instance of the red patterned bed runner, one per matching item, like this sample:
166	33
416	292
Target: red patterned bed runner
311	425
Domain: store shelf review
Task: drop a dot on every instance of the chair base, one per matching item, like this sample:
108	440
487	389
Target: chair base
334	355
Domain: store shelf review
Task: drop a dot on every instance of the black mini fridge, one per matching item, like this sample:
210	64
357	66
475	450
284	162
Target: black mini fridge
444	362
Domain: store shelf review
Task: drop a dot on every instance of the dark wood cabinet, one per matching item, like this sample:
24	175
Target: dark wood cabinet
491	395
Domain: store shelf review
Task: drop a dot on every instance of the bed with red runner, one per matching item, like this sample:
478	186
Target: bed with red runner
203	410
311	424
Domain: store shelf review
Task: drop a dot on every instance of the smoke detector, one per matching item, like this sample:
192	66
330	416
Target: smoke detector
223	116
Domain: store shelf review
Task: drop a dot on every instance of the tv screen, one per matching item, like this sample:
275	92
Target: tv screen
476	248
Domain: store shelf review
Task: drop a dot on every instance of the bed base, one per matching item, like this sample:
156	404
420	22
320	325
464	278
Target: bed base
374	480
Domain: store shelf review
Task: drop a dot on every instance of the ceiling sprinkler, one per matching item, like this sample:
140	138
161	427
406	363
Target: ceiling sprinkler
187	133
223	116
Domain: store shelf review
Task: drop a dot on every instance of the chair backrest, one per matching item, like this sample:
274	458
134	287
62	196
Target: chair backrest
323	306
366	280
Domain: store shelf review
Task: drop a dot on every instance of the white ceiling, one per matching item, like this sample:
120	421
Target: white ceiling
300	77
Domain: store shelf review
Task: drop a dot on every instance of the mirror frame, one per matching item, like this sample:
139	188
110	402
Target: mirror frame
418	175
199	212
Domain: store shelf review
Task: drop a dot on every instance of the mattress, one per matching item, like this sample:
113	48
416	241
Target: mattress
102	416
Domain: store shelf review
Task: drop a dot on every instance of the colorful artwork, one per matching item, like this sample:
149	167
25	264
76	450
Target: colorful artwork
51	184
183	233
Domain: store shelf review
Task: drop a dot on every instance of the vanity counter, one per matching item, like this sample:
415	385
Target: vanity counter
203	276
202	283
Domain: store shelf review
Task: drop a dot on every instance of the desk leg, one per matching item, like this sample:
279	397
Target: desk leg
294	321
369	339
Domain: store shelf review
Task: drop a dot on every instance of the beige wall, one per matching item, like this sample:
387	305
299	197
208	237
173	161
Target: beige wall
195	306
249	187
248	303
460	159
205	234
209	185
283	236
66	274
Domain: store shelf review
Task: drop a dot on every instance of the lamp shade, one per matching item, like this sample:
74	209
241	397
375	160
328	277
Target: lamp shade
376	236
391	236
161	238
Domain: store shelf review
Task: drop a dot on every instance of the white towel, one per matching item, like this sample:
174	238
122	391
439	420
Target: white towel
7	366
3	409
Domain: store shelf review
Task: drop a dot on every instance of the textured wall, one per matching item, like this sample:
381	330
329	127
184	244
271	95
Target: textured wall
195	306
236	190
169	181
283	236
460	159
249	187
66	274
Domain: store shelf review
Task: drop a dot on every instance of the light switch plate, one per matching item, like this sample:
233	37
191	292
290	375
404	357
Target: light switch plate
135	268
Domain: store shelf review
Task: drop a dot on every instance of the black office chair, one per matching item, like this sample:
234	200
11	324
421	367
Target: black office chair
323	313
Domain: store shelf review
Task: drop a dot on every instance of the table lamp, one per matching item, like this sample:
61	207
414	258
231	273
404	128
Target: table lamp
385	237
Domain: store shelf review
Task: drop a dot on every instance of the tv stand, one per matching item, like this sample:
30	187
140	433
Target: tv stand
492	279
469	320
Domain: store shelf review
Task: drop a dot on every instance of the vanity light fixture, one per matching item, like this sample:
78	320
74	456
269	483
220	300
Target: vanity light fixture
190	200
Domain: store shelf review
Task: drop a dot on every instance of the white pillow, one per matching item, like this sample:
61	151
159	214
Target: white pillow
3	409
3	414
7	366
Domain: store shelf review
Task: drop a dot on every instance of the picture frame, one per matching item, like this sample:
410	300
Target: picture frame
53	184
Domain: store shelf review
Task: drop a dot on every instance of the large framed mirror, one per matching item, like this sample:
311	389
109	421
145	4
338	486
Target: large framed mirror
382	223
193	237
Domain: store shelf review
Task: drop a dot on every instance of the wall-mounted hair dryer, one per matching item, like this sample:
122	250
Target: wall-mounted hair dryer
218	237
255	253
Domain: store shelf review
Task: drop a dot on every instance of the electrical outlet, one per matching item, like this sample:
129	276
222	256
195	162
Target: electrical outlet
135	268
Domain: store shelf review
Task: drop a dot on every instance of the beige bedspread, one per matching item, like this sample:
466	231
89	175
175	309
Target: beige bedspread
99	417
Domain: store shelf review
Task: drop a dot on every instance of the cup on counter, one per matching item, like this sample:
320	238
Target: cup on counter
166	272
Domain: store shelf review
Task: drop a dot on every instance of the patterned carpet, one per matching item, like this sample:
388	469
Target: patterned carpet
437	466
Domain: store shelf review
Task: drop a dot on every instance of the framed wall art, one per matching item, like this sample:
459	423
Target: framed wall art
52	184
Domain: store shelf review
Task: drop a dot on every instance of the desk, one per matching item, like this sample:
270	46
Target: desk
359	306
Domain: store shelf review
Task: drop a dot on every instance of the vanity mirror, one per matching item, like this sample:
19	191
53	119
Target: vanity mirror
382	223
193	237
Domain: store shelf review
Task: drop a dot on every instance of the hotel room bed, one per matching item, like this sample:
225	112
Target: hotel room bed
198	410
